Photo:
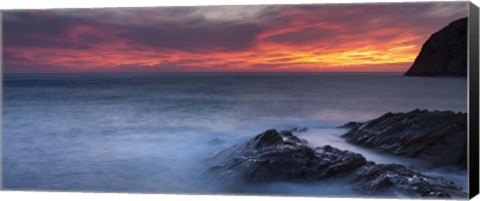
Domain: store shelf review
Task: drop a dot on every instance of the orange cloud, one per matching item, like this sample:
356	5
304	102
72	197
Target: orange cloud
360	38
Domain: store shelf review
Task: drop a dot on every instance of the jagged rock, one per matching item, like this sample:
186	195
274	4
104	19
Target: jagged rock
268	157
373	177
444	53
299	129
289	138
350	124
436	137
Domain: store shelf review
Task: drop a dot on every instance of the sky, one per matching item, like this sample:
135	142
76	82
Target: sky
263	38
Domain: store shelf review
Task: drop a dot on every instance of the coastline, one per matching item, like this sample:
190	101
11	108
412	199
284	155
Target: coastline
266	166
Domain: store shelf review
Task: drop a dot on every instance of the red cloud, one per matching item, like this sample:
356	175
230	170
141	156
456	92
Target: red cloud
369	37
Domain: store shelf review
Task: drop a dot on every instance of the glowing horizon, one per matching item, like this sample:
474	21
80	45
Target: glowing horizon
262	38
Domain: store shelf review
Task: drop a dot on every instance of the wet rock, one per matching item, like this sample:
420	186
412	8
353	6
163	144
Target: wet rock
373	177
289	138
412	182
268	157
370	178
350	124
439	138
299	129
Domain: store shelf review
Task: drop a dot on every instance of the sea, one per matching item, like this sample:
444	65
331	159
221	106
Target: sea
151	133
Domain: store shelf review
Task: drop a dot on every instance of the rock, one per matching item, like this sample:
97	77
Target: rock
350	124
372	177
268	158
299	129
411	182
444	53
289	138
439	138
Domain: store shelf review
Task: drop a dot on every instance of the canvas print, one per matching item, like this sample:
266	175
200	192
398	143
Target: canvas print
331	100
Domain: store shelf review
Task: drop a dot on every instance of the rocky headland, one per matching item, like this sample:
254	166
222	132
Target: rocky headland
281	156
444	53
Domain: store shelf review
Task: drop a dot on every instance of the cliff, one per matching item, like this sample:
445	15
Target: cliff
444	53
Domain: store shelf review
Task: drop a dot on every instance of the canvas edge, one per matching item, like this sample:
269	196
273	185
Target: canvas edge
473	102
1	100
473	91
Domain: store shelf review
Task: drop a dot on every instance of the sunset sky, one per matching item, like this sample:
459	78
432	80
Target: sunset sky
287	38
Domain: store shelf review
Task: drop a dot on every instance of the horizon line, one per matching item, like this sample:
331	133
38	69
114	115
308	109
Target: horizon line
238	72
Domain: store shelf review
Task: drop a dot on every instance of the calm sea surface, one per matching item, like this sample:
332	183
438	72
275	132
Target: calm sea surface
151	132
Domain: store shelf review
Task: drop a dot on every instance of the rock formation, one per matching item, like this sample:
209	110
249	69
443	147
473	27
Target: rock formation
281	156
436	137
444	53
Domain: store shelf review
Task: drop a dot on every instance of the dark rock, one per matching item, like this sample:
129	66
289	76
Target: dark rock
289	138
268	158
411	182
350	124
372	177
299	129
439	138
444	53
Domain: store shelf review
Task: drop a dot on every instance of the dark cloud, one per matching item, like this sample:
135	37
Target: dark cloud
214	36
14	57
194	34
302	36
358	17
50	28
45	30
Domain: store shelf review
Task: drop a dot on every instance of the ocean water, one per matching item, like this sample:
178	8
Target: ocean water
152	132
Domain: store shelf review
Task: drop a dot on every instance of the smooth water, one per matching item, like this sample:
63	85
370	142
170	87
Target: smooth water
151	132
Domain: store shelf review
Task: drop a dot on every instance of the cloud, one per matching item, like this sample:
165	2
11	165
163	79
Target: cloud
444	10
304	35
214	36
223	38
232	13
46	30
